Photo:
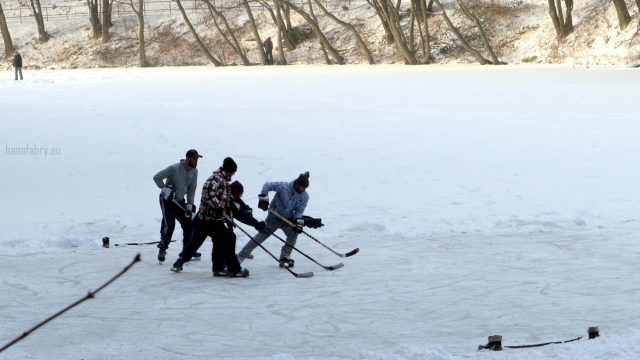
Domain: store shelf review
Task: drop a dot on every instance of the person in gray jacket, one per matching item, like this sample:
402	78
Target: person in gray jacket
176	182
290	201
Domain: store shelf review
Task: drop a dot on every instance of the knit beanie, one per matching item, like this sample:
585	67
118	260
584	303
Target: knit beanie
229	166
303	180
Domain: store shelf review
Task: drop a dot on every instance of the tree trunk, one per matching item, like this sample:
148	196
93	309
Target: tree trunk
284	28
412	25
140	15
470	16
568	22
460	38
316	28
6	36
322	44
94	18
560	16
427	36
105	21
382	15
231	39
282	35
553	13
352	29
398	34
201	45
37	13
623	13
256	35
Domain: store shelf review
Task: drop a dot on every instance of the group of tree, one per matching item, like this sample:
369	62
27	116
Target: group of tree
405	25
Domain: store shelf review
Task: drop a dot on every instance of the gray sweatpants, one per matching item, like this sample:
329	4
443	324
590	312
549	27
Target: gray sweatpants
18	71
273	224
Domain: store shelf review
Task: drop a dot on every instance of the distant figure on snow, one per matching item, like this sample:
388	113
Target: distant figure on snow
268	50
17	64
181	179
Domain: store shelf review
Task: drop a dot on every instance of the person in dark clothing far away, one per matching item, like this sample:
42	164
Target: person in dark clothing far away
177	181
17	65
268	50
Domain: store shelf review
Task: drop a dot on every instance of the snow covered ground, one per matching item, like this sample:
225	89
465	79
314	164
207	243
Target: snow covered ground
484	201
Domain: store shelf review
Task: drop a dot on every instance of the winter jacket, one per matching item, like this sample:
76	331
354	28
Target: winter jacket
268	45
182	178
17	61
287	202
216	197
242	212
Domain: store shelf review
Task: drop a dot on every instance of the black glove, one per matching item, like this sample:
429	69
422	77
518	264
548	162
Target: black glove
261	226
168	193
299	224
312	222
263	202
218	213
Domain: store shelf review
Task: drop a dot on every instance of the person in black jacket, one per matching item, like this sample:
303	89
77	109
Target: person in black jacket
17	65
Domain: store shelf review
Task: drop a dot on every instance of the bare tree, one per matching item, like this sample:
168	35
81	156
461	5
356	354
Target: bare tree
94	18
6	36
256	34
352	29
381	11
201	45
43	36
316	29
229	36
425	36
140	15
461	38
623	13
563	24
476	21
106	20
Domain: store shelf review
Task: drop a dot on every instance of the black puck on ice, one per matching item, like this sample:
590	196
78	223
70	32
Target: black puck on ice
105	242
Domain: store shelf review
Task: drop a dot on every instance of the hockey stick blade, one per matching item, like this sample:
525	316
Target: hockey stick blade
303	275
334	267
352	252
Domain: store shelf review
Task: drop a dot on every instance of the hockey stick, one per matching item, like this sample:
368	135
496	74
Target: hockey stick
302	275
330	268
139	244
90	295
350	253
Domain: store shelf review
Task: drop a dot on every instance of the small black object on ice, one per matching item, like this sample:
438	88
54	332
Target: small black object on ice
495	343
105	242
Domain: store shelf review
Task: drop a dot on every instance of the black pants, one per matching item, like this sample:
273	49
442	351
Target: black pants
170	213
269	56
224	244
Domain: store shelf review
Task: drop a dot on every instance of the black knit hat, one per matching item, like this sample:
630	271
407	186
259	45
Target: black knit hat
229	166
237	187
303	180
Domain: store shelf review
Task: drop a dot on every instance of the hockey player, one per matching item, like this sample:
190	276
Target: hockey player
177	181
241	212
215	205
289	201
